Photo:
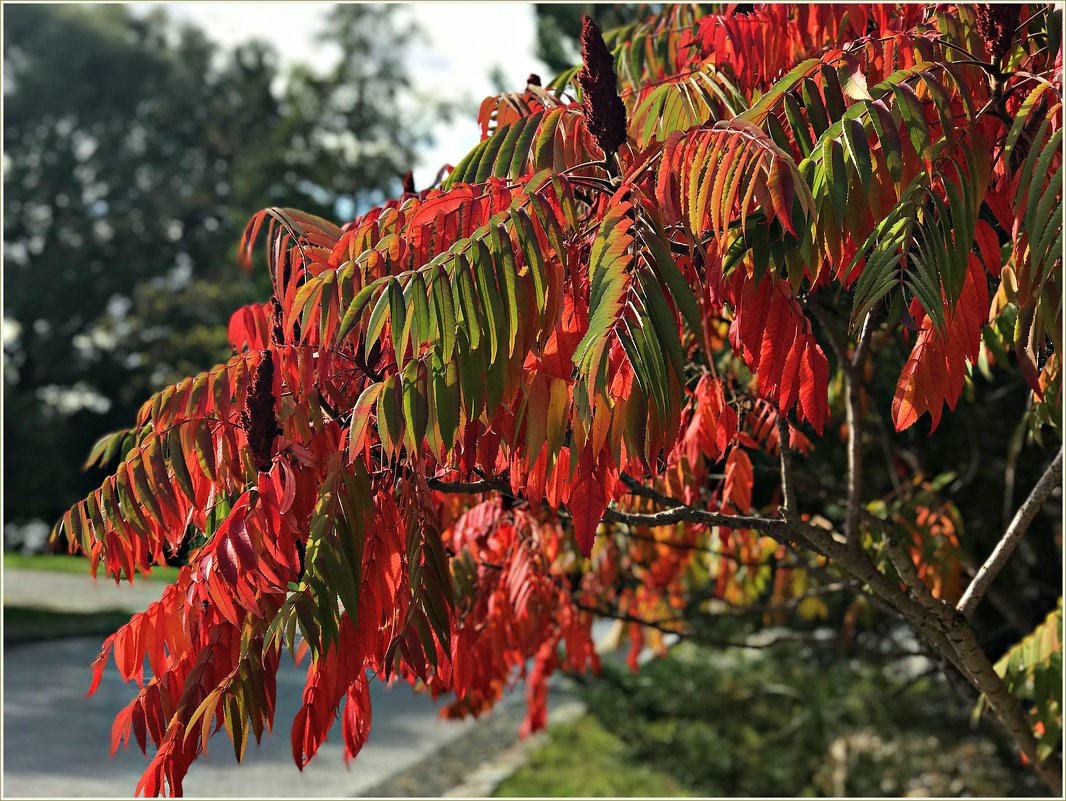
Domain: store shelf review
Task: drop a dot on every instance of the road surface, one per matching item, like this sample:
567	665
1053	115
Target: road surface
57	741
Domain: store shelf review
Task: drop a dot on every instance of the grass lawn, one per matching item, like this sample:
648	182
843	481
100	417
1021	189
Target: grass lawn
73	564
583	759
27	624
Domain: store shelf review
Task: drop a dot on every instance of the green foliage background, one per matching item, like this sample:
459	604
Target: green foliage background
136	151
785	721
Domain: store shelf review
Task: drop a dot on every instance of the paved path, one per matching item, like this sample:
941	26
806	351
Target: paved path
71	592
57	742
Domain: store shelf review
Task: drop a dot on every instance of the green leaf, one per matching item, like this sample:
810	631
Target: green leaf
816	113
911	108
544	143
389	413
175	459
668	272
800	129
488	155
502	159
836	176
834	98
415	405
399	323
444	308
859	151
527	240
205	451
361	417
378	317
471	318
488	294
1021	118
662	319
356	308
445	401
781	86
521	147
506	275
418	302
887	134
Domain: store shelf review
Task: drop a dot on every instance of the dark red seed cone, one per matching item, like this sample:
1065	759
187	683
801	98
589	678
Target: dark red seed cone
257	418
277	328
604	111
996	23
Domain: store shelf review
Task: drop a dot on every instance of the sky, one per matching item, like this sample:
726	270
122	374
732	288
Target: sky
461	45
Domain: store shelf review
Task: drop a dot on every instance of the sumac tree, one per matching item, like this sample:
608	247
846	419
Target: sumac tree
474	418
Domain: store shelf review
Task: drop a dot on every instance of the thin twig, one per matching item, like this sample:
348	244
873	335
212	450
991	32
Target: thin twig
788	488
852	375
1011	537
636	488
497	484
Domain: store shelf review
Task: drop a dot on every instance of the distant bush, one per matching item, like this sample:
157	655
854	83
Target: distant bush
793	722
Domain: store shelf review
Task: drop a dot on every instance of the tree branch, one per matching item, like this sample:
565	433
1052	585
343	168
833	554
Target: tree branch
788	488
636	488
977	667
773	527
687	546
1012	536
497	484
852	373
665	626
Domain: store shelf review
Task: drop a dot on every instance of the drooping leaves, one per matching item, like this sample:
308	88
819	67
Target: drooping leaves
936	369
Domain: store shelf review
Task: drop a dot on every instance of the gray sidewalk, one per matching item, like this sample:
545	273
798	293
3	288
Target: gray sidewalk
57	742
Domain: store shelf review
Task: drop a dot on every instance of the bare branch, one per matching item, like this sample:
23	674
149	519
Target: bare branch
852	373
977	667
851	368
497	484
788	488
1011	537
637	488
667	626
863	345
688	546
776	528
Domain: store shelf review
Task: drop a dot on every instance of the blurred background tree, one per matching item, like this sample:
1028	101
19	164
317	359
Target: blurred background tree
135	152
559	28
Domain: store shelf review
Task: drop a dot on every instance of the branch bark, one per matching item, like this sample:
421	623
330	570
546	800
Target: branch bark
788	488
1023	518
497	484
852	374
983	676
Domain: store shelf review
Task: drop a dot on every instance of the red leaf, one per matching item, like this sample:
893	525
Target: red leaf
357	716
782	192
814	385
738	482
935	370
589	495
